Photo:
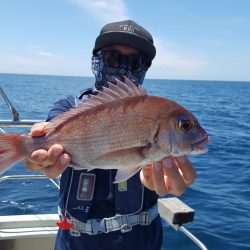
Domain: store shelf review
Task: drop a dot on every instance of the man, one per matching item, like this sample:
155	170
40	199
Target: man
95	213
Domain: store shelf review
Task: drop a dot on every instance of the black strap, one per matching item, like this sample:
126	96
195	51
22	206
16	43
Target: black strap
88	91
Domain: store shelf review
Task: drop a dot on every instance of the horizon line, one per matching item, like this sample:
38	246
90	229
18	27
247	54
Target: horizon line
168	79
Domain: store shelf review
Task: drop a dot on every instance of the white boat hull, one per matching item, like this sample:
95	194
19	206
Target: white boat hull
22	232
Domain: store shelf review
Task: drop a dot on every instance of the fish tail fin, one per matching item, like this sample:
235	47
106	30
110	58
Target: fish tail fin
11	150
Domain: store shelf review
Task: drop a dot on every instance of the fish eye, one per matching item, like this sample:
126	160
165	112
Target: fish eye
184	125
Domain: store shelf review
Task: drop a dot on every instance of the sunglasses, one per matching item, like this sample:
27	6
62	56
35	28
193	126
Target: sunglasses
114	59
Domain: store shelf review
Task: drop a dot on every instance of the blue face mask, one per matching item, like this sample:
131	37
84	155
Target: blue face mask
110	65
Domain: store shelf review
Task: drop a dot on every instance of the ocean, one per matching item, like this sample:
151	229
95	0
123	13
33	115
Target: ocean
220	195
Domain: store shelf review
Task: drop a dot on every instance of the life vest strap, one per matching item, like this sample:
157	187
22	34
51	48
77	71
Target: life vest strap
124	223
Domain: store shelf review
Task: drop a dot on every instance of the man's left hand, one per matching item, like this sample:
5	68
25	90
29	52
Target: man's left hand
170	176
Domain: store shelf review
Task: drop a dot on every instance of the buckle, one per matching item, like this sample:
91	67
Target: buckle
145	218
75	233
124	222
98	226
126	228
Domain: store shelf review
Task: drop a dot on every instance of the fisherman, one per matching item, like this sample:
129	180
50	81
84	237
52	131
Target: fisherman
96	213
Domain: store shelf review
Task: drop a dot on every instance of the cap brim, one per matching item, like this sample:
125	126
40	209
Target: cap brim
124	38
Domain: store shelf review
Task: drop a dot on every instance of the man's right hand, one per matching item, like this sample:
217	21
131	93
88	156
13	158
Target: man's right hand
52	162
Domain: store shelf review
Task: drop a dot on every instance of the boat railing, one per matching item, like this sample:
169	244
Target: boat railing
55	182
15	122
172	210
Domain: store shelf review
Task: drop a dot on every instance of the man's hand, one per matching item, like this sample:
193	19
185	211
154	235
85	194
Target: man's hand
170	176
52	162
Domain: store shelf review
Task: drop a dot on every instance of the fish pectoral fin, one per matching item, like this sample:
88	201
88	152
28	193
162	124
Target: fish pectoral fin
125	174
123	158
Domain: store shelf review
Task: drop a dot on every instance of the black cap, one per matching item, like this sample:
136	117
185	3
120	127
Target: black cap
127	33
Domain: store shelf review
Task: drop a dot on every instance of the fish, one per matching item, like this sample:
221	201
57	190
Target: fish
121	127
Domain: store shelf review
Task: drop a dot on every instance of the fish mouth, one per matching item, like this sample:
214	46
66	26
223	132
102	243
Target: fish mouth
199	147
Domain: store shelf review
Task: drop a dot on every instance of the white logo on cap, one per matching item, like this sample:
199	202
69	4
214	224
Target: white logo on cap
129	28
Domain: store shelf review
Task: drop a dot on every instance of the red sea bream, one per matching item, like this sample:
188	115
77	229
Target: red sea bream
119	128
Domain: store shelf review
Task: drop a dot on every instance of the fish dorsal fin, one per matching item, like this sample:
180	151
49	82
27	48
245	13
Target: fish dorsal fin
108	94
130	88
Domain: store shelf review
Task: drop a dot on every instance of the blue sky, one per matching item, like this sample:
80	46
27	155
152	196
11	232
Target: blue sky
206	40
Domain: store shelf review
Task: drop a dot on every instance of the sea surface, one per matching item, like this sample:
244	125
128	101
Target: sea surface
220	195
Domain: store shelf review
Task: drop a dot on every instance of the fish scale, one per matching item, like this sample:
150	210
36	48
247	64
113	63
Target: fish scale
111	135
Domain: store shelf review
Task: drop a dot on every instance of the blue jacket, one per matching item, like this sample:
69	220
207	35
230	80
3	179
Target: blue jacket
108	199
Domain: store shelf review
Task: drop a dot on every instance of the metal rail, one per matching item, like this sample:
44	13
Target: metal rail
176	213
18	124
192	237
29	177
12	109
15	122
